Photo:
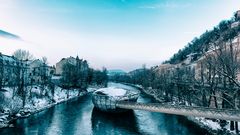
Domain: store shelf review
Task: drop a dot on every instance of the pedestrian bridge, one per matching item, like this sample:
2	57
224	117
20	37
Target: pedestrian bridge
223	114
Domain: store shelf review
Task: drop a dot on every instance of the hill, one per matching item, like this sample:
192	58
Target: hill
225	30
116	72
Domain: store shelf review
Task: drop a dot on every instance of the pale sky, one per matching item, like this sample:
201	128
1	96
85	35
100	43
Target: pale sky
117	34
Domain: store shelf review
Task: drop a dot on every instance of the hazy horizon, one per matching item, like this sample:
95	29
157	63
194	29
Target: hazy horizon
116	34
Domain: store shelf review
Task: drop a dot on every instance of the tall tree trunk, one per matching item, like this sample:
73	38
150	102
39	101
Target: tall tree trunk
23	94
232	125
204	98
178	93
215	99
79	92
68	93
236	127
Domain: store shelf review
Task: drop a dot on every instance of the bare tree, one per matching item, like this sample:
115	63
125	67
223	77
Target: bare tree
20	72
44	73
44	60
23	55
225	61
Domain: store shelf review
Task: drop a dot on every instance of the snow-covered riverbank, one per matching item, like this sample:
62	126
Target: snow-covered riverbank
36	104
213	126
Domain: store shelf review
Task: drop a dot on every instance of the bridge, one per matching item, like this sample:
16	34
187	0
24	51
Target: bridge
214	113
223	114
107	103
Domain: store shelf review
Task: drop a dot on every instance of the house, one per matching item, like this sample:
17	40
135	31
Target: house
164	68
39	71
236	23
11	69
59	65
201	62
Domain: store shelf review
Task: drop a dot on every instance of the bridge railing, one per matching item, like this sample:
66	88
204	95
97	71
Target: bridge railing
106	102
226	114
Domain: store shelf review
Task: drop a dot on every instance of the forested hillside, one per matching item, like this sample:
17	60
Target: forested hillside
199	45
204	73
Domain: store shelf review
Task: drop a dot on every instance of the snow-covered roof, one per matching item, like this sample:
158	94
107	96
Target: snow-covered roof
56	77
8	58
112	91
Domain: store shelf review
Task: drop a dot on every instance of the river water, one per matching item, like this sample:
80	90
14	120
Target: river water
79	117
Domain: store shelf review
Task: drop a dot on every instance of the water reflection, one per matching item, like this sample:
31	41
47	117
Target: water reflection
39	123
108	123
79	117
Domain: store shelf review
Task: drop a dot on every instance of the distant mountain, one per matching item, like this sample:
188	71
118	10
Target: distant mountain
8	35
116	72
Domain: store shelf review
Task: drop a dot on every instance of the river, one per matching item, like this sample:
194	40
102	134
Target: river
79	117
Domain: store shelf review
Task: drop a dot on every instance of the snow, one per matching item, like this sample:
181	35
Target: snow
209	123
37	103
112	91
8	93
61	94
36	90
123	86
56	77
228	126
3	120
8	58
214	125
119	85
91	89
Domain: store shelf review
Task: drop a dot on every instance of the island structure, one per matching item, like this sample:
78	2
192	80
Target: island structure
105	99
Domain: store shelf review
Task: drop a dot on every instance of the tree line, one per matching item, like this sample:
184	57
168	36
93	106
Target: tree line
15	74
210	80
80	75
21	77
202	44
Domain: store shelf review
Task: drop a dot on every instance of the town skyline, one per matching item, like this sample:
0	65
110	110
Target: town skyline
119	67
119	34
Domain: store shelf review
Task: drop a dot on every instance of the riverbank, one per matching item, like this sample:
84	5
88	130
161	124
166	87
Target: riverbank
79	116
38	104
212	126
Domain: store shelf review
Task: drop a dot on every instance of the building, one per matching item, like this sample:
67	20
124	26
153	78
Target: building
59	65
164	68
39	71
236	23
202	62
11	70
